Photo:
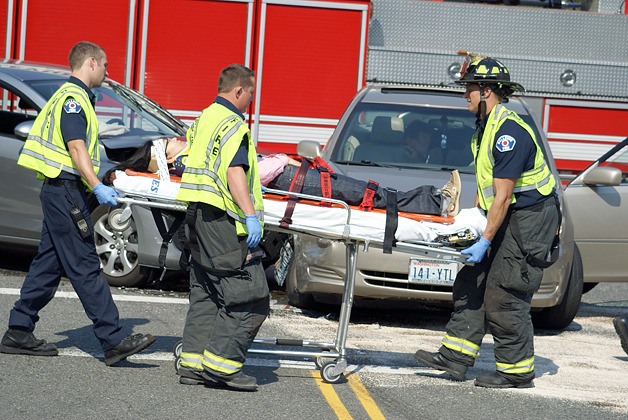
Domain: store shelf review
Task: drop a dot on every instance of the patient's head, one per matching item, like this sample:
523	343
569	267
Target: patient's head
138	162
173	146
418	139
144	158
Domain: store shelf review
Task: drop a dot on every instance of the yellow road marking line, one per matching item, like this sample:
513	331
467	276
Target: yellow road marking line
365	397
332	398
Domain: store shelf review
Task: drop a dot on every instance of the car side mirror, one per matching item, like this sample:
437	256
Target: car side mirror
603	175
22	129
309	149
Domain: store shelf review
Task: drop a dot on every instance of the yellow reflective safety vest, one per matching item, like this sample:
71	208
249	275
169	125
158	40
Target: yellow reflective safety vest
539	177
44	150
214	139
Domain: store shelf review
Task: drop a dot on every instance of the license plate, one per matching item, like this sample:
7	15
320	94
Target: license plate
423	271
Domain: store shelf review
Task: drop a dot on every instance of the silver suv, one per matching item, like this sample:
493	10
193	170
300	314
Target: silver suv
368	144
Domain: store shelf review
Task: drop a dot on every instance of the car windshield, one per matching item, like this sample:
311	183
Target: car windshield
407	136
123	113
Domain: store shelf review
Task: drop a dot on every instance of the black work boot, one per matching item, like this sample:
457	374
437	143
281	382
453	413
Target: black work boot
128	346
238	380
24	342
188	376
439	362
621	326
496	380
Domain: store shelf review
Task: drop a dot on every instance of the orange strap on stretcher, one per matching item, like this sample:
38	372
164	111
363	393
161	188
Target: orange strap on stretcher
295	186
367	201
325	173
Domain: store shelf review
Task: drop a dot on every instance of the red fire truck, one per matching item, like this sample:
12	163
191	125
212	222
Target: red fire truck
308	55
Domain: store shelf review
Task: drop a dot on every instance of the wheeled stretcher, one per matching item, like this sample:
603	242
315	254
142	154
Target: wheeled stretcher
345	225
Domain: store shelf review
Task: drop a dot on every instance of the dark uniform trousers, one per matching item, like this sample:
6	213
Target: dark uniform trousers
495	295
225	313
63	251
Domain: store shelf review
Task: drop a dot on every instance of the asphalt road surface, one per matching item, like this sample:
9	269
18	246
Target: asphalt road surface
581	371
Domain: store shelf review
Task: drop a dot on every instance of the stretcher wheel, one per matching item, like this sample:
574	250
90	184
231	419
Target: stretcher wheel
328	376
177	355
178	348
177	363
319	362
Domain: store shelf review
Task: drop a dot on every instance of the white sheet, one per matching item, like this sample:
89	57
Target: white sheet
367	225
370	225
145	185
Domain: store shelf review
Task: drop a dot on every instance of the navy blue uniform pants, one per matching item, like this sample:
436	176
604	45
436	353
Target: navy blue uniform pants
63	252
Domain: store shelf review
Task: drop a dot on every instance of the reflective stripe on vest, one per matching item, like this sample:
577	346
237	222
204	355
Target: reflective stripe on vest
538	178
524	366
460	345
220	364
489	192
192	360
45	150
212	173
214	138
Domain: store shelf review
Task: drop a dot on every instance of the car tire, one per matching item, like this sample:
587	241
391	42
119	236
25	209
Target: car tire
561	315
117	248
295	297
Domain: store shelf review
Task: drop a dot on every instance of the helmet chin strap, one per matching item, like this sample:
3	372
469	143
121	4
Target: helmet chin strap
480	116
482	105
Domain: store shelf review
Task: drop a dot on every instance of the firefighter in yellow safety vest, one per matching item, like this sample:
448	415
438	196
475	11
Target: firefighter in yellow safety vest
229	296
516	190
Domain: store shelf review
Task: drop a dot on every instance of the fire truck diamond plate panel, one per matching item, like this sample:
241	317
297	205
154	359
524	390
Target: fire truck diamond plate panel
415	42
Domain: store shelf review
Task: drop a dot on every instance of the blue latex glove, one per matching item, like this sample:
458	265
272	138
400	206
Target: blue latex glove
263	189
255	231
105	195
477	250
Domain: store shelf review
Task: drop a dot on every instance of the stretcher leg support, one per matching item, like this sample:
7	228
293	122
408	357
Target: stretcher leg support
332	361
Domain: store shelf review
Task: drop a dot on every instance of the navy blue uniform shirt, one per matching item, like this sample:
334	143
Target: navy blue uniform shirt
514	152
74	120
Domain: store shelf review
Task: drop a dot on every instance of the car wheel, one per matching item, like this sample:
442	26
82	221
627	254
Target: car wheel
561	315
297	298
117	248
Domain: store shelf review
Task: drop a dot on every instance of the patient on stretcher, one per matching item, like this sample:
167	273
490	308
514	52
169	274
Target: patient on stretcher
278	171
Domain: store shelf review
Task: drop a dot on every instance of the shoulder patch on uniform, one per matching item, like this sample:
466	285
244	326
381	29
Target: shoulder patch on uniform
505	143
71	106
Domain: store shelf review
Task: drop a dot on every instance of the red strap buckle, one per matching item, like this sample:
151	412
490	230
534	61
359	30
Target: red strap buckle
369	193
320	164
325	187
